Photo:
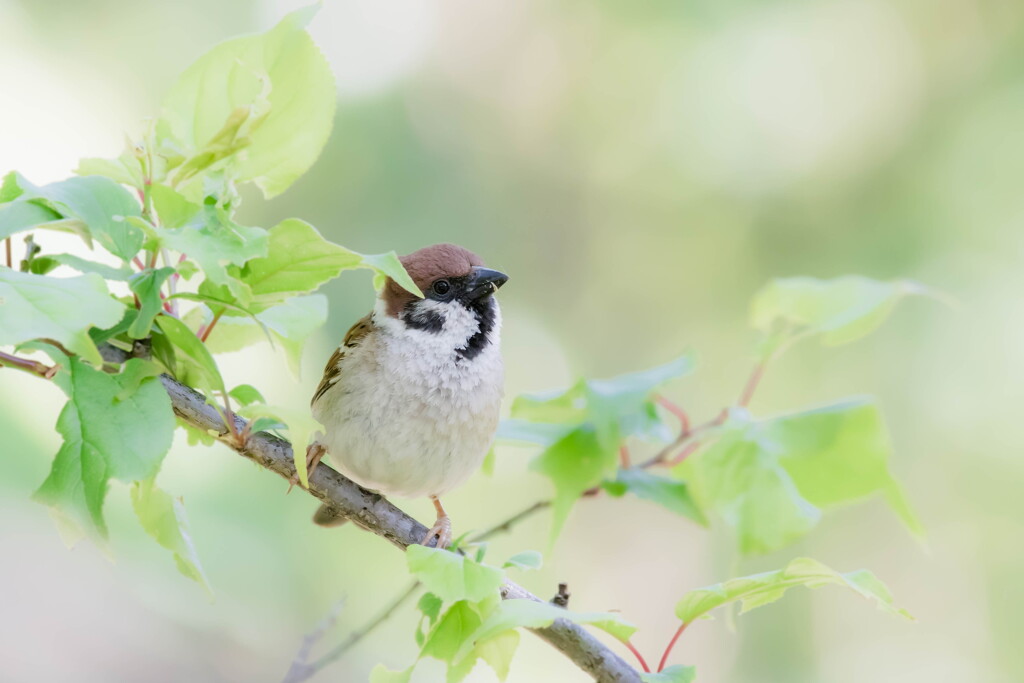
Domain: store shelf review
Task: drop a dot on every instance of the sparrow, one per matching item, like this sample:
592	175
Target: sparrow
410	399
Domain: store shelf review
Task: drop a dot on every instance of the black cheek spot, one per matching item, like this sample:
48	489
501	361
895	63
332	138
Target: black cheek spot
428	321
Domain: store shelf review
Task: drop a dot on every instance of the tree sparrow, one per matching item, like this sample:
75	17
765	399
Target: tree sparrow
410	400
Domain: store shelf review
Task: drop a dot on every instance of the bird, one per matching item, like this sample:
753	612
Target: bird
410	400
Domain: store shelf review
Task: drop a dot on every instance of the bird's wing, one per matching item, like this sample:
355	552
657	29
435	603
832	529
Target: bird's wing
332	371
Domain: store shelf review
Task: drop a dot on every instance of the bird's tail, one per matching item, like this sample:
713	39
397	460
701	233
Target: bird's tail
328	516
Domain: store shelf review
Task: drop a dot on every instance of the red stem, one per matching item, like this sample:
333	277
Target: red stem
138	263
752	382
683	454
624	456
684	419
205	332
639	656
671	644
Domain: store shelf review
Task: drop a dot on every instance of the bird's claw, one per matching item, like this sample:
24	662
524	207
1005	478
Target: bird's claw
442	531
314	454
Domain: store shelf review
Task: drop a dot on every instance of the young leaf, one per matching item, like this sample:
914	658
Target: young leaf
453	629
298	261
300	428
672	674
102	205
741	479
669	493
840	453
163	518
761	589
453	577
770	479
512	614
108	433
498	652
270	94
574	464
246	394
121	274
528	559
293	323
33	306
842	310
196	366
614	408
381	674
146	286
24	214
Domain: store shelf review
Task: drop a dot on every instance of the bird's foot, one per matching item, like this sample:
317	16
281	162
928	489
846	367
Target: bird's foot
314	454
442	531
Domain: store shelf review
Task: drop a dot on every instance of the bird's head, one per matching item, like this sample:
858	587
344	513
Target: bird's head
457	304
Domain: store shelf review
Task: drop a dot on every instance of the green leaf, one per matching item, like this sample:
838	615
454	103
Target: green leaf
453	577
615	408
528	559
298	261
669	493
108	433
381	674
762	589
293	324
541	433
215	242
842	310
196	366
163	518
838	454
672	674
498	652
512	614
103	206
146	286
24	214
453	629
121	274
33	306
740	477
770	479
265	102
574	464
388	265
300	428
246	394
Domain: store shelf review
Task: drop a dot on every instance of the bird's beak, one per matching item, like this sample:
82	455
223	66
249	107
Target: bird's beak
484	282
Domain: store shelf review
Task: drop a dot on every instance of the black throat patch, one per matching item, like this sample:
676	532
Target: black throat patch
484	310
428	321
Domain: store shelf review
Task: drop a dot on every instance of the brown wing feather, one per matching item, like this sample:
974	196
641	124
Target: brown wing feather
332	371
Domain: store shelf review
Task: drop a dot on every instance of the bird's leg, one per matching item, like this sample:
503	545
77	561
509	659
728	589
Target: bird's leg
314	454
442	529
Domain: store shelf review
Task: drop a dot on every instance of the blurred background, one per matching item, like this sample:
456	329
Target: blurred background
640	169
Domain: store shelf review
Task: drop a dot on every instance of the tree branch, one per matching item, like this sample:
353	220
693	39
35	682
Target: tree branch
374	513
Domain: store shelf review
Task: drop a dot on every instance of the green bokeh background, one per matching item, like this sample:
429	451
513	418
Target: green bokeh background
639	169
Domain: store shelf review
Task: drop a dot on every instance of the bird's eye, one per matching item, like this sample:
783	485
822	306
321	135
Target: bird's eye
442	287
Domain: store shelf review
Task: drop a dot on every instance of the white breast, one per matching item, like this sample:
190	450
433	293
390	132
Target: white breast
405	417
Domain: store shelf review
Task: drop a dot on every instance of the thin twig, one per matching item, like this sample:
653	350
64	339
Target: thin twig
10	259
671	644
752	382
300	668
361	633
511	521
33	366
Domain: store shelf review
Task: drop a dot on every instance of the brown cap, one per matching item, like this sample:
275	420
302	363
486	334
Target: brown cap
424	267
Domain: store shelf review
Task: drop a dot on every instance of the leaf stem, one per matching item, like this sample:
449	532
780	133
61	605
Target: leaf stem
752	383
33	366
671	644
10	260
624	456
205	332
640	657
